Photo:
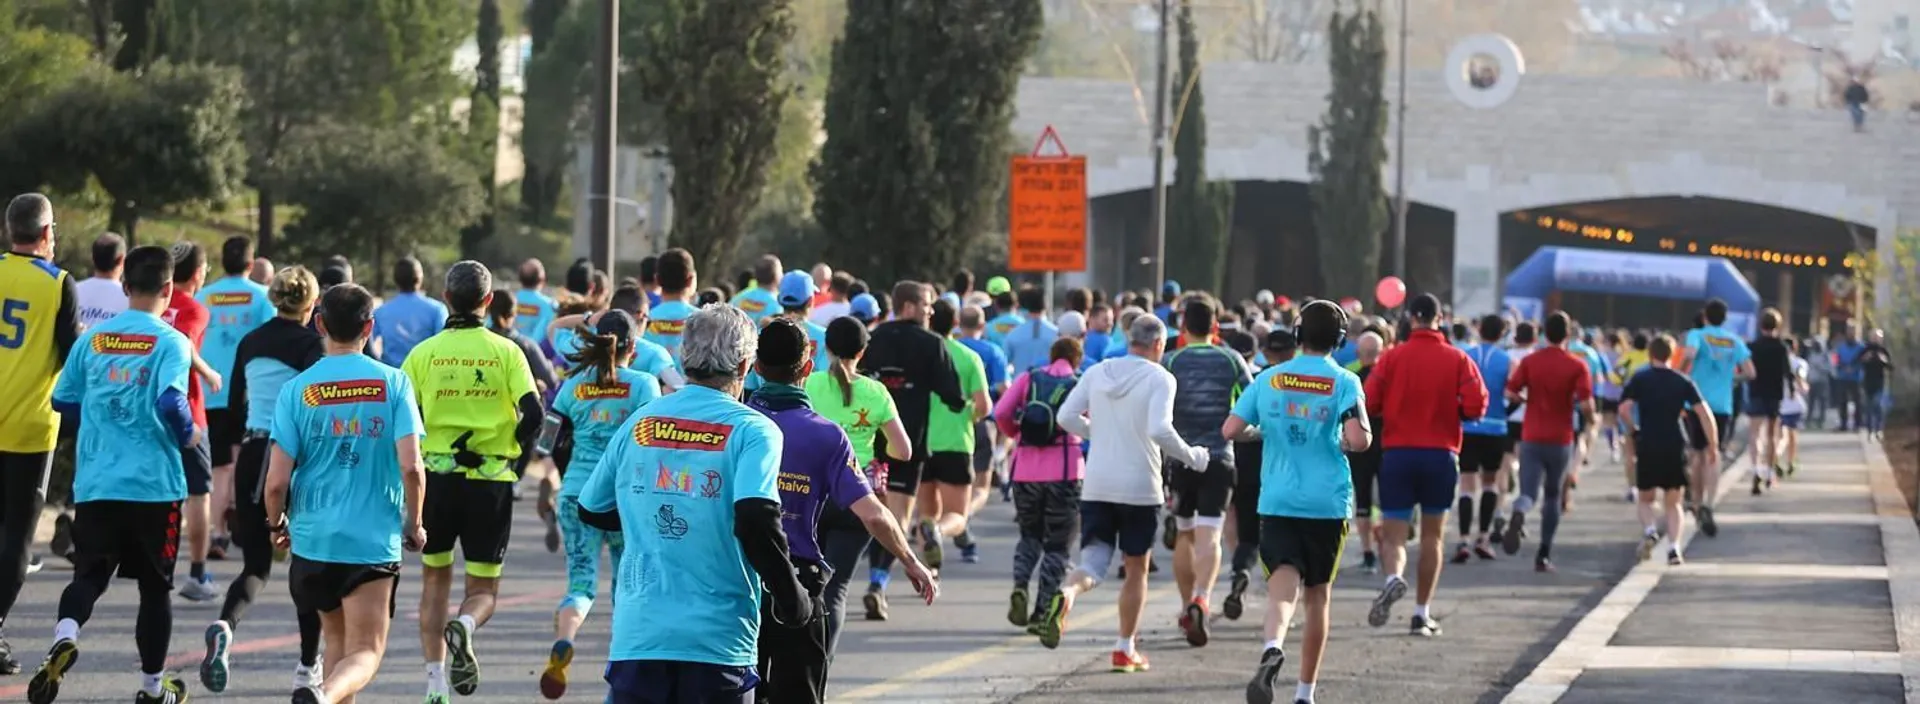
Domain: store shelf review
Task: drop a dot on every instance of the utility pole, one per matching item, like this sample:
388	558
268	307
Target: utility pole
1159	214
1400	159
601	200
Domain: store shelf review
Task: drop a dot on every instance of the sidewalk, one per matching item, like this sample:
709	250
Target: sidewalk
1808	594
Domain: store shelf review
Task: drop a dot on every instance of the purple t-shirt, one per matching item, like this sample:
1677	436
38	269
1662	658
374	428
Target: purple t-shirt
816	466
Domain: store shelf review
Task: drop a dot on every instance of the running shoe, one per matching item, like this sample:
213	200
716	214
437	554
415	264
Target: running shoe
45	685
62	543
463	669
930	550
1632	495
1647	544
545	509
439	698
1266	677
1674	559
1756	485
213	667
1236	595
172	691
876	603
310	695
1194	622
200	590
1124	661
1017	607
1705	515
1370	563
308	675
1055	623
1383	603
553	680
1483	550
1425	627
217	547
1169	531
34	564
1499	527
1462	553
970	553
1543	566
8	665
1516	530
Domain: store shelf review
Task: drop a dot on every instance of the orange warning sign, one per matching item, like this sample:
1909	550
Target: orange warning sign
1047	214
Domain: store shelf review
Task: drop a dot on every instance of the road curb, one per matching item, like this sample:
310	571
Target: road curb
1900	541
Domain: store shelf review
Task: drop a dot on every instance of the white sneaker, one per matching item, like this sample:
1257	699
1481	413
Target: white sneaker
304	676
200	590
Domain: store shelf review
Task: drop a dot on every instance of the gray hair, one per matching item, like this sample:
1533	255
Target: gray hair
716	341
1146	331
468	283
27	215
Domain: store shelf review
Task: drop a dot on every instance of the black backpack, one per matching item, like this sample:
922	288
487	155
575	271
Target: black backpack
1039	415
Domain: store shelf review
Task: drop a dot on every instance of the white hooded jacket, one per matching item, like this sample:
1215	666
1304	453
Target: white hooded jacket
1124	407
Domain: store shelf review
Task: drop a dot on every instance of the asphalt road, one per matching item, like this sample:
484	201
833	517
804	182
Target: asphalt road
1501	618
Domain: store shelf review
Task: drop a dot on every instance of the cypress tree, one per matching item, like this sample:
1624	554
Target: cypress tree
1199	211
1348	149
483	124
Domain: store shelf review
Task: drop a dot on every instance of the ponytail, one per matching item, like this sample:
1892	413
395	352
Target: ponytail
600	352
839	372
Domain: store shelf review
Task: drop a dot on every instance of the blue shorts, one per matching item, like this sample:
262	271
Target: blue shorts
1425	478
1126	527
674	682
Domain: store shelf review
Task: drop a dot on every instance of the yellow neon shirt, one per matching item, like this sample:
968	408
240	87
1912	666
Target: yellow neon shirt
29	306
470	379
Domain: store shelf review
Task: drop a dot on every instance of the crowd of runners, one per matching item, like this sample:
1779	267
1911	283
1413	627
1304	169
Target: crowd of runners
738	451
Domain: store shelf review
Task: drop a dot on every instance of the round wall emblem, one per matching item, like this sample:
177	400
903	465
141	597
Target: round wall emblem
1483	71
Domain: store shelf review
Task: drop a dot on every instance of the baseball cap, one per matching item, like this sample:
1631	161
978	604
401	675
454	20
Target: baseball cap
1263	297
1281	340
866	307
1072	324
1170	288
1425	306
797	289
998	285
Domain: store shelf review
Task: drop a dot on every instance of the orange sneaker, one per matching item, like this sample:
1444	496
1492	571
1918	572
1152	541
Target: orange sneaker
1124	661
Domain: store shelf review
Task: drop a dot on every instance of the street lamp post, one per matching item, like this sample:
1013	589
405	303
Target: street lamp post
1159	214
605	110
1400	159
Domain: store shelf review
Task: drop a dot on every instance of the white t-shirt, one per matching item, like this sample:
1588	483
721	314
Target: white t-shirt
826	312
1796	402
100	299
1518	415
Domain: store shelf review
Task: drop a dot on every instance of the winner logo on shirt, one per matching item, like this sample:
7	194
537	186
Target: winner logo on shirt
123	343
600	392
1317	385
681	434
230	299
333	393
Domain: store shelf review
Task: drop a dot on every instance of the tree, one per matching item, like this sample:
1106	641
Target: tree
1281	31
1347	150
917	115
551	104
715	70
1199	211
367	191
483	124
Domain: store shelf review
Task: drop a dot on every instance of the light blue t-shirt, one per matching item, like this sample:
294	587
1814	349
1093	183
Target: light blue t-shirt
991	357
266	378
339	421
1300	407
235	306
533	313
998	327
597	411
666	323
1028	345
1596	363
404	321
647	356
758	303
1716	353
117	372
675	471
1494	366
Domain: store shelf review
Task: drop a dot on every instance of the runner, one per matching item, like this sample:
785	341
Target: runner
235	307
534	308
1772	374
1249	463
817	469
1028	343
763	300
190	318
482	412
1365	464
1631	362
1876	365
1004	316
796	302
945	495
678	286
1320	410
1653	403
915	366
596	400
1584	429
1793	410
1045	473
262	271
647	356
346	522
38	326
988	453
1715	357
839	302
1132	399
1424	387
409	317
1484	446
264	361
1613	351
1558	386
1211	381
711	512
128	480
102	296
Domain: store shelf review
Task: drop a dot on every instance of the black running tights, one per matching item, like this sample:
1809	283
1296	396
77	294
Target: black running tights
23	481
256	546
151	631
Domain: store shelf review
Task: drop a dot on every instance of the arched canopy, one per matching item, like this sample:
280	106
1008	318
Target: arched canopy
1674	276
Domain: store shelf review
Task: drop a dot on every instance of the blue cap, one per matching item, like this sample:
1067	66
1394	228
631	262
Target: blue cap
1170	288
952	298
796	289
866	307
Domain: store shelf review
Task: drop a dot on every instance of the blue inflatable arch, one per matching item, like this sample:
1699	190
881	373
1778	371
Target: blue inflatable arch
1676	276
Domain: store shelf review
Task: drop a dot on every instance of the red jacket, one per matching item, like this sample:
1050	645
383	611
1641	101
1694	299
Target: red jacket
1422	389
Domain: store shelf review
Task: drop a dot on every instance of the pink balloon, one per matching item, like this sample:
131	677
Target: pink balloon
1391	291
1351	304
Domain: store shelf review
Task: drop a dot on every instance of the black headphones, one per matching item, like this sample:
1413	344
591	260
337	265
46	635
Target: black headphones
1342	322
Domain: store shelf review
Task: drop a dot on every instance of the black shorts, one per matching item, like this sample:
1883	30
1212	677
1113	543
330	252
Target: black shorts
1366	475
249	524
673	682
319	587
1201	493
904	477
1311	545
475	514
1515	429
1768	408
1126	527
1609	405
983	441
220	436
1659	468
197	463
1482	453
137	540
1696	435
950	468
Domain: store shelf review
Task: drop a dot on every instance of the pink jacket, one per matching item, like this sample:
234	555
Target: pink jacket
1038	464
